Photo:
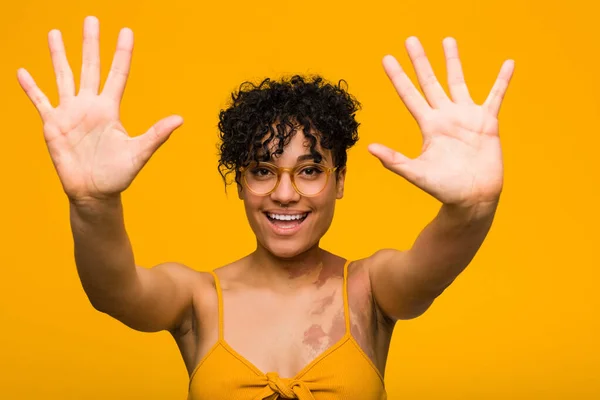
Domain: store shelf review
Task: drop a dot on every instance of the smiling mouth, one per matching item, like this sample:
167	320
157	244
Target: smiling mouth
286	221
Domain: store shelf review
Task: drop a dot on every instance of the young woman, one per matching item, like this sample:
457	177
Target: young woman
290	320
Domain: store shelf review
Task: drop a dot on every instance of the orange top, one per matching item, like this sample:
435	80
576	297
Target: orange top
342	372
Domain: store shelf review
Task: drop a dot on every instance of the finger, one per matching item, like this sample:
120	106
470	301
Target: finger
494	99
150	141
434	92
411	97
90	65
456	79
119	70
62	70
394	161
37	97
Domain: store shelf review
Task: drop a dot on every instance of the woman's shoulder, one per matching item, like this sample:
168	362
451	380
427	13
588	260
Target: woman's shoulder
230	271
204	277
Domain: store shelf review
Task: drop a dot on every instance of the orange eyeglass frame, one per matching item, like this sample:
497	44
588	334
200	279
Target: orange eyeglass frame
290	171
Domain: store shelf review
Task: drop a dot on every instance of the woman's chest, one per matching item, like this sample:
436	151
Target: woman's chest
285	333
282	334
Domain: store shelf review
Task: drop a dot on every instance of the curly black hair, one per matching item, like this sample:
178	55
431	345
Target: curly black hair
261	120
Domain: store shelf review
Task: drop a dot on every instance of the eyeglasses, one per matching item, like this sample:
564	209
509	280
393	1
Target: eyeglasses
308	179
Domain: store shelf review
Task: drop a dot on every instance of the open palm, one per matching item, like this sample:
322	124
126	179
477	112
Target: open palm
461	158
94	156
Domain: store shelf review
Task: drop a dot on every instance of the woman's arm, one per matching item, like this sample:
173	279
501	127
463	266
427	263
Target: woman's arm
145	299
460	165
96	160
406	283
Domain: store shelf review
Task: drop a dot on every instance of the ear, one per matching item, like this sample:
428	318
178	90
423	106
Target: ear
341	178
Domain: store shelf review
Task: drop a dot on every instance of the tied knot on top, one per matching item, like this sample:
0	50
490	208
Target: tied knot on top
280	387
288	388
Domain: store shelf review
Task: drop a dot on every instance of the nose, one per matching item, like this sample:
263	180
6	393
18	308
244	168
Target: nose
285	192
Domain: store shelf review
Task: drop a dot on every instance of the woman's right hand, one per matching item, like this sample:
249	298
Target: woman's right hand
93	155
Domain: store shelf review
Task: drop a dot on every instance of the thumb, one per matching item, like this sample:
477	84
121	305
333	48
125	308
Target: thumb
392	160
150	141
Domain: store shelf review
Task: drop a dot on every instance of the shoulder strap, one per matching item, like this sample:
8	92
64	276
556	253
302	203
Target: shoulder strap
346	304
220	300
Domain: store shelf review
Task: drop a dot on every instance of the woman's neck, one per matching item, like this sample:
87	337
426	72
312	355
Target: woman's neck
309	267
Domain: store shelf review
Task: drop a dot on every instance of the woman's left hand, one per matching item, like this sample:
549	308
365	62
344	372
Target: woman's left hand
461	158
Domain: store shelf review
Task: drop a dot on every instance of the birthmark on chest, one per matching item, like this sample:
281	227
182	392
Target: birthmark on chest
304	270
321	274
317	339
324	303
325	274
314	337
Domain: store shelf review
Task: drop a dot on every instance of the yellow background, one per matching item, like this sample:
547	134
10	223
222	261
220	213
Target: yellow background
520	323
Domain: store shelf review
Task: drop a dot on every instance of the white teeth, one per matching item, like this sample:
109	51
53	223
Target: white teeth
286	217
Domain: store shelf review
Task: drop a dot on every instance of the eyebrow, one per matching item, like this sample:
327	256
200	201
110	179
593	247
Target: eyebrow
303	157
309	157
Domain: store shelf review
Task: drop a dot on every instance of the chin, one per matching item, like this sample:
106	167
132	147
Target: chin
287	249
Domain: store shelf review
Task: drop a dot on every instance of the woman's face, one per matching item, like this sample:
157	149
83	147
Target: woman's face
274	217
